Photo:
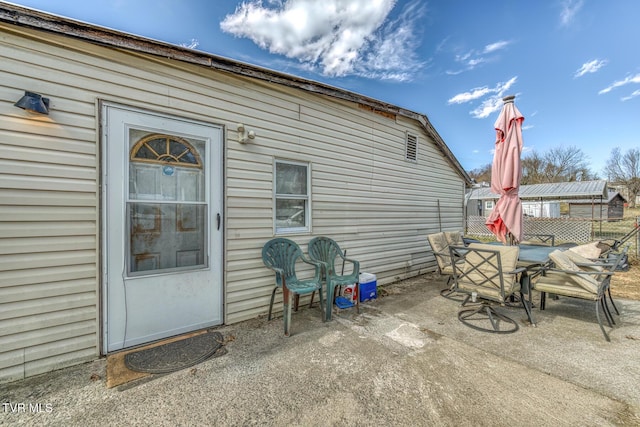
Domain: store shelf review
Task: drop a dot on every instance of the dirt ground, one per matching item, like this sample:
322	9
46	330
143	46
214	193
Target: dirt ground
626	284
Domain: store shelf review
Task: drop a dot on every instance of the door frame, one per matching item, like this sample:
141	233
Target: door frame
103	148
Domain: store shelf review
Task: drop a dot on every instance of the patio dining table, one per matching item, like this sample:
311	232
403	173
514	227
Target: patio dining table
535	255
530	257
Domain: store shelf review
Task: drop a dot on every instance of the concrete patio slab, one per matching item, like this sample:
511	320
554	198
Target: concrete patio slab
405	360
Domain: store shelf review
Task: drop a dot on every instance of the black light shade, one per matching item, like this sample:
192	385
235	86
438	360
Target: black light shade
34	102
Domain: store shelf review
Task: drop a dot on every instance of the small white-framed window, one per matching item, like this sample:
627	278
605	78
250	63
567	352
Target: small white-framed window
488	204
292	197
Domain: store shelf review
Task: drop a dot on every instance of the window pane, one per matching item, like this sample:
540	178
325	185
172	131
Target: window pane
166	236
162	181
291	179
290	213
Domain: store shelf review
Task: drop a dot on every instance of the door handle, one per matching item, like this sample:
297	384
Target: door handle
218	219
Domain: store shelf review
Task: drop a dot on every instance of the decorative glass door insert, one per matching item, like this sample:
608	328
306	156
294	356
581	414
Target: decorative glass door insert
167	210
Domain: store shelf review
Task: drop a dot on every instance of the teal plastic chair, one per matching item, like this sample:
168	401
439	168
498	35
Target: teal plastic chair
281	255
327	252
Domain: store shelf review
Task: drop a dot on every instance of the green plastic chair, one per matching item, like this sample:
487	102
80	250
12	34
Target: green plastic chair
327	252
281	255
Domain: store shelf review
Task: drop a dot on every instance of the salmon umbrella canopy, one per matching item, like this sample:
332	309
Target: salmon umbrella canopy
506	217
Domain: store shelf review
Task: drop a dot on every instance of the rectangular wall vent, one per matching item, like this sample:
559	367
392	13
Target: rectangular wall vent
411	152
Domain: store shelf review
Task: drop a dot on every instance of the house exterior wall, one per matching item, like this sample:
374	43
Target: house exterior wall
49	202
365	195
481	207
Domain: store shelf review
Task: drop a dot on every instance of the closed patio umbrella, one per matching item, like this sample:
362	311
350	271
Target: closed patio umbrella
505	221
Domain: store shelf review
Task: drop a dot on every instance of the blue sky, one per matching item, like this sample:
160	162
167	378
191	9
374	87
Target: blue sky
574	65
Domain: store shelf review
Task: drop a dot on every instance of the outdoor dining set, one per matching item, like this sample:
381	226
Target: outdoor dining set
484	276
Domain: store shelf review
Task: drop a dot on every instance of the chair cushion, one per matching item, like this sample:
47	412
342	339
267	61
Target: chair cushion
440	246
585	263
588	250
491	289
508	254
562	284
563	262
449	268
454	238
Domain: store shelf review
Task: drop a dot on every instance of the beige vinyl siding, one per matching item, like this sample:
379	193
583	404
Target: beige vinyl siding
48	220
365	195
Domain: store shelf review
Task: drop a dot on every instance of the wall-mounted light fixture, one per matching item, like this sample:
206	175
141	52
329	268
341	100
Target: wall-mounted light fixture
33	102
243	135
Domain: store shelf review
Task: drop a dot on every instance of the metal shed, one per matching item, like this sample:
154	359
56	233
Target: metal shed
610	209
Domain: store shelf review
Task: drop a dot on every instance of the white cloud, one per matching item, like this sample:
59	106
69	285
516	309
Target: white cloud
569	10
476	93
590	67
194	43
633	95
489	105
623	82
338	37
496	46
473	58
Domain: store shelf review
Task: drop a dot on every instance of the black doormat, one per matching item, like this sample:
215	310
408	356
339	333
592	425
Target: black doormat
176	355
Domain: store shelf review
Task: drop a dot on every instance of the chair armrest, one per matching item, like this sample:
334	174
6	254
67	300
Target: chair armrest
580	272
351	260
536	271
593	264
311	261
468	240
441	255
319	265
517	270
355	263
316	261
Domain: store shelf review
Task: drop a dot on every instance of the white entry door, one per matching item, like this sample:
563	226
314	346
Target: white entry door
162	226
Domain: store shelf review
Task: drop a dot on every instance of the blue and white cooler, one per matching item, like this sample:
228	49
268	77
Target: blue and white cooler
368	287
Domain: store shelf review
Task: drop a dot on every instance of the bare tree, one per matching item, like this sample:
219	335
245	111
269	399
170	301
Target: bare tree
481	174
532	167
565	164
625	169
560	164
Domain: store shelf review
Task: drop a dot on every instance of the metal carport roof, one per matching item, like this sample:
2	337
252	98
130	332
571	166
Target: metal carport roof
552	191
